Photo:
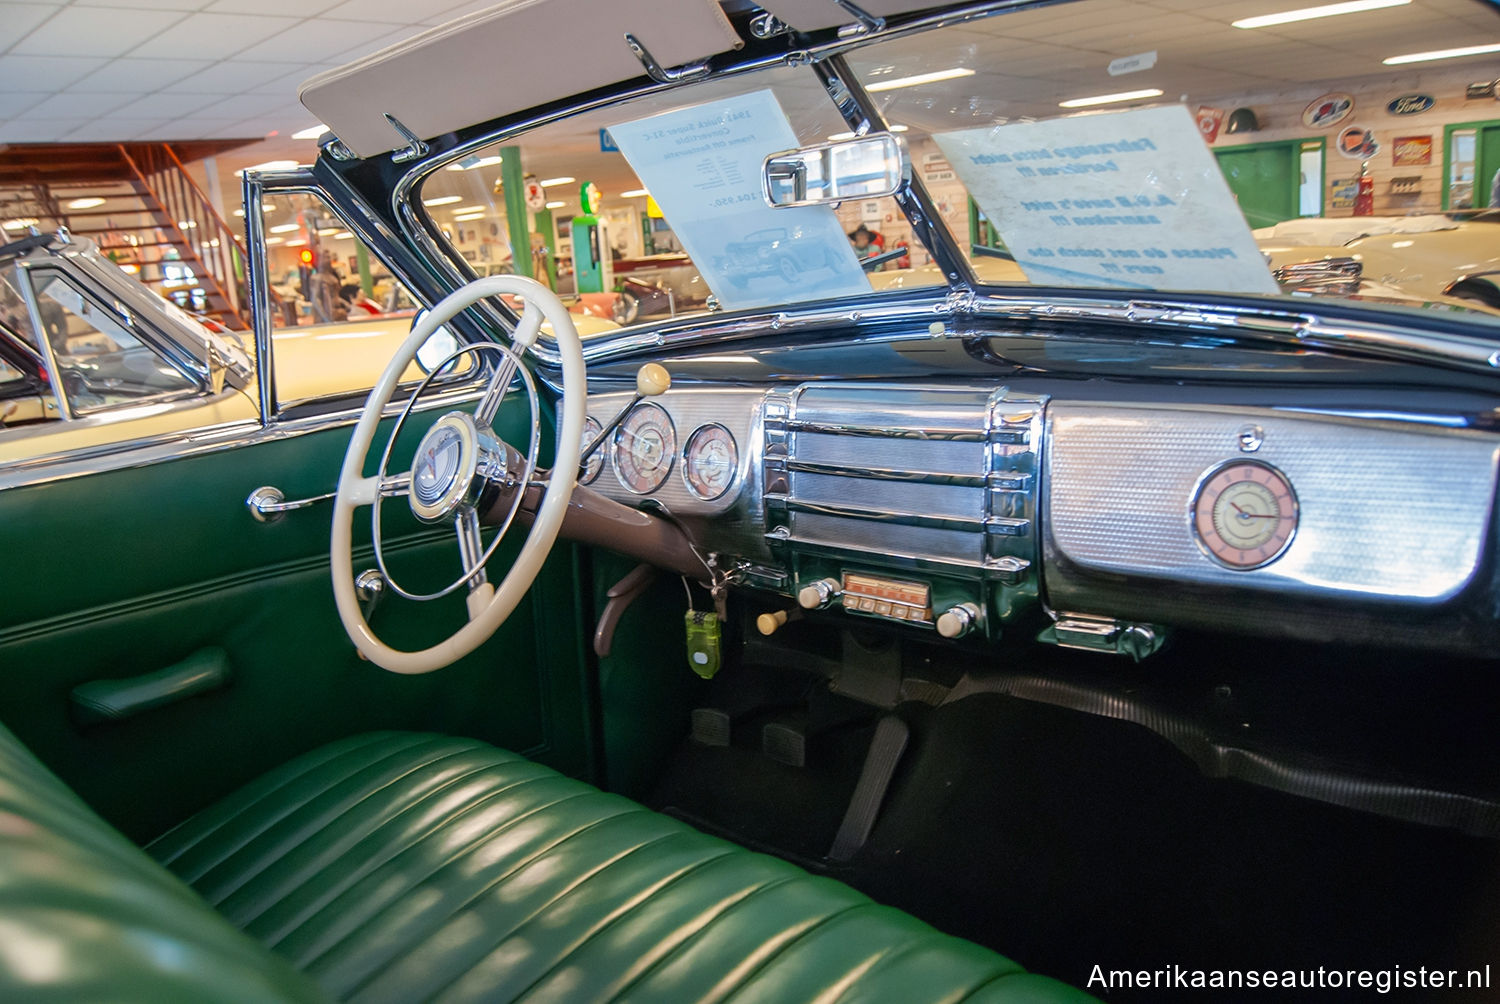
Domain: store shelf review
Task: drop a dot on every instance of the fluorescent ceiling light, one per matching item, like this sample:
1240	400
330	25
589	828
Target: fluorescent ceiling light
275	240
634	193
328	230
1309	13
343	235
443	200
285	228
1105	99
472	209
839	137
1422	57
239	212
467	217
85	203
555	205
899	128
20	224
311	132
296	243
549	182
920	78
472	165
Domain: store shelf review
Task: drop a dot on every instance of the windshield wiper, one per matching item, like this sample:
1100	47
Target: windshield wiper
875	261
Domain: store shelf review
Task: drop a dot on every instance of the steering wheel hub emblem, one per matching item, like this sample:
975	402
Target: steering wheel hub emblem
453	465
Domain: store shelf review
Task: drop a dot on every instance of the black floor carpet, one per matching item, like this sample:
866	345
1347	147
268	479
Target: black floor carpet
1068	841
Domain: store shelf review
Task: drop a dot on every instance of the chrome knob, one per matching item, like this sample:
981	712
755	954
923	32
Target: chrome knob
955	622
816	595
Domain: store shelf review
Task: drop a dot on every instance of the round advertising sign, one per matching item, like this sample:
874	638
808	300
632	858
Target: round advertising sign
1329	110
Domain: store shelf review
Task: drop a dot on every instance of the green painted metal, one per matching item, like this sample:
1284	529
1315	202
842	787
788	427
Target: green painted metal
513	181
548	229
362	259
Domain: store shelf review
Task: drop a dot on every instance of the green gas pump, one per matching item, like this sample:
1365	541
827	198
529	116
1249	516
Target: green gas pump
593	266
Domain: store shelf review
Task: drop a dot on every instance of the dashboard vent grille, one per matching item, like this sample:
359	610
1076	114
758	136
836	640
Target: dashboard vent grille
929	474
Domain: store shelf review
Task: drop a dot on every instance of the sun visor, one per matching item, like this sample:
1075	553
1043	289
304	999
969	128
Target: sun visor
813	15
498	61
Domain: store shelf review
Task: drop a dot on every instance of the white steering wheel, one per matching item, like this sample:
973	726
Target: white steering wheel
461	470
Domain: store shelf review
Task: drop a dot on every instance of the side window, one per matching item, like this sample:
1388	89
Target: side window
337	313
24	398
100	362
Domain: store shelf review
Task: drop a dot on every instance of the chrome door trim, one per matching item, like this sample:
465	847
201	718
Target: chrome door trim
146	451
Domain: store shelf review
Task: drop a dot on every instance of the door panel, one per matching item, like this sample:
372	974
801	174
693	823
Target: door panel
1488	166
120	573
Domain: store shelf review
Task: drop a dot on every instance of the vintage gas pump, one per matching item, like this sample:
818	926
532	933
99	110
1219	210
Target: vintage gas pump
593	266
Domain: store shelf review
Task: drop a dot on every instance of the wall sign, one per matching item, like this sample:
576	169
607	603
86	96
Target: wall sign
1130	200
1341	193
1132	64
1329	110
1209	121
1357	143
536	195
1411	151
1411	104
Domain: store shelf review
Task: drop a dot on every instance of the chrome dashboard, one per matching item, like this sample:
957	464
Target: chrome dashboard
1011	509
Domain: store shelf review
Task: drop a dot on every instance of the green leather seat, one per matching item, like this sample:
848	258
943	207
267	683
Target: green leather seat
406	867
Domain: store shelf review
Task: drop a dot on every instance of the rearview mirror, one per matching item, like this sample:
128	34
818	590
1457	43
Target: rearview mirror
869	167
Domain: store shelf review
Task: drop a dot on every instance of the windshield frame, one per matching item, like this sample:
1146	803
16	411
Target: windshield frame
823	51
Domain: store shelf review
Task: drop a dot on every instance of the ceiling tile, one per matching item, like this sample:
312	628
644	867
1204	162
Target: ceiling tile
18	19
29	73
161	105
234	76
112	128
375	45
287	8
44	131
213	36
241	106
285	85
455	12
94	31
12	103
315	39
389	11
180	5
76	106
139	75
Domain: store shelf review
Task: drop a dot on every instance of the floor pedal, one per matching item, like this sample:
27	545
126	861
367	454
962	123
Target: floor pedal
710	726
784	743
886	747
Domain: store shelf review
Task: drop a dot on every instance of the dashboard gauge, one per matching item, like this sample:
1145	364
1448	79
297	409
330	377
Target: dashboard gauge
709	461
643	449
1244	514
591	467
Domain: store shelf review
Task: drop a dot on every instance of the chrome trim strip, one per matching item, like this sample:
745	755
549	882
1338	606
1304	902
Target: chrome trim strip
831	429
890	474
1000	525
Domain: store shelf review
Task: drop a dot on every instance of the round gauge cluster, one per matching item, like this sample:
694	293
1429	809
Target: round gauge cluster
645	446
644	451
594	464
1245	514
709	461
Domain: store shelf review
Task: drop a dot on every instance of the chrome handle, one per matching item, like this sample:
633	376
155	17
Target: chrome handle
267	504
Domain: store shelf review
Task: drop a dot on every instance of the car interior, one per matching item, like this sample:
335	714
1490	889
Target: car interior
961	639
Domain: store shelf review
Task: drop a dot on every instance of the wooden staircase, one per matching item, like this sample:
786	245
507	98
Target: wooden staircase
155	219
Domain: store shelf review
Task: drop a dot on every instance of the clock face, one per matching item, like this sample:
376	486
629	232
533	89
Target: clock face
1244	514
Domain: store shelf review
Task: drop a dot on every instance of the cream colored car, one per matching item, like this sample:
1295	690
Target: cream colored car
1435	259
115	363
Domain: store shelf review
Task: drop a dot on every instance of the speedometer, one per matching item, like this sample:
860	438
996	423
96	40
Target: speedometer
643	449
709	461
590	469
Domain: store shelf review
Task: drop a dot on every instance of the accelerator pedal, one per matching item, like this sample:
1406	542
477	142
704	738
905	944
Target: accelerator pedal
886	747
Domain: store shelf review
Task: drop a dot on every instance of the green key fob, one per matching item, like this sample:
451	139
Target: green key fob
703	632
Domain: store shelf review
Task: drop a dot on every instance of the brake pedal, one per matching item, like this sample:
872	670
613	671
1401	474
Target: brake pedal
710	726
784	743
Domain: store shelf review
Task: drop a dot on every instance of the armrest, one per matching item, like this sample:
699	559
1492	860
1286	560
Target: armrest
100	701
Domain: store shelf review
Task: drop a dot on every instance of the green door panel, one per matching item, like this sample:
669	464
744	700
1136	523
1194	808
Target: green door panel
125	572
1488	165
1264	180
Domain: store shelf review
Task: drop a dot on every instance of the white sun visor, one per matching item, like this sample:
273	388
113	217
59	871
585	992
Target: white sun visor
507	58
813	15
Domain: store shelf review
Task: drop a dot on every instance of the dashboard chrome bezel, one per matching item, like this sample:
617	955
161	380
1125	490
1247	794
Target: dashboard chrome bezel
615	446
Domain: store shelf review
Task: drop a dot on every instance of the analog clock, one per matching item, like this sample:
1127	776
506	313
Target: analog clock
1244	514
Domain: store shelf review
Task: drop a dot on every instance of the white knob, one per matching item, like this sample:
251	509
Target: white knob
769	624
955	622
817	594
652	379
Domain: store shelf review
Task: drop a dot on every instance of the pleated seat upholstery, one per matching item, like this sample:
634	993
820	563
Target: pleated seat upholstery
406	867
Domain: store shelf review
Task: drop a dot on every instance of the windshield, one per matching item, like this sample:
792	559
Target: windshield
1107	144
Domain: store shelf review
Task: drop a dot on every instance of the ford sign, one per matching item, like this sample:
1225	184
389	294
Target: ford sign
1410	104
